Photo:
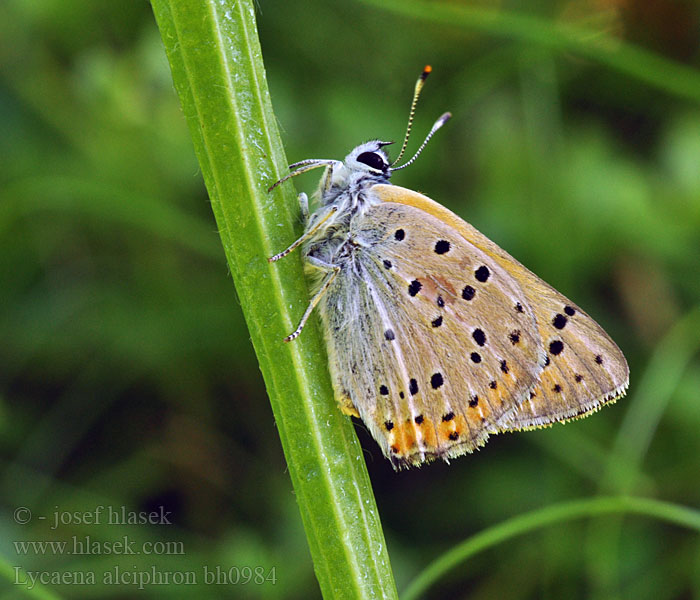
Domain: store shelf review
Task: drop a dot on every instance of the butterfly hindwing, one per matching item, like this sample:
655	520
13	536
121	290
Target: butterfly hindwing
430	339
584	369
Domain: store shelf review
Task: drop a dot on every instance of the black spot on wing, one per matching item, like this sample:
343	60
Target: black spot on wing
479	337
414	287
556	347
436	380
482	274
442	247
559	321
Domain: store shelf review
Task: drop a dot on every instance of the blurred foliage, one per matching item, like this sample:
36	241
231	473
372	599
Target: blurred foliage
126	375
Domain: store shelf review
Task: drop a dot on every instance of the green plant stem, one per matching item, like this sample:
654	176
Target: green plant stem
626	58
664	511
218	72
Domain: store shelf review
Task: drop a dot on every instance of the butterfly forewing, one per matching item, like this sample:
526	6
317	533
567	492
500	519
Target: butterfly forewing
430	338
584	368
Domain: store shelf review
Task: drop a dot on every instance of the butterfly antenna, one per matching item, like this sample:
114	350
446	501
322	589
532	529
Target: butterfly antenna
439	123
416	93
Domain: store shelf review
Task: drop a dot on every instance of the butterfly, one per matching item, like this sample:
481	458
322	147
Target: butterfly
436	336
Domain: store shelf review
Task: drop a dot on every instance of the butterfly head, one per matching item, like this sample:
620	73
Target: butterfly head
367	164
371	158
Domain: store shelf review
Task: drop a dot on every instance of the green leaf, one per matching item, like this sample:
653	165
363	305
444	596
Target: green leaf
549	515
655	70
218	72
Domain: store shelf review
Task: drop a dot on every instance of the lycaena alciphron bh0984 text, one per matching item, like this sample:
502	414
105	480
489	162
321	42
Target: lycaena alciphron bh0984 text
436	336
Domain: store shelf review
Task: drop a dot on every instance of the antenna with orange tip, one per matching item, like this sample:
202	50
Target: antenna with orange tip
416	93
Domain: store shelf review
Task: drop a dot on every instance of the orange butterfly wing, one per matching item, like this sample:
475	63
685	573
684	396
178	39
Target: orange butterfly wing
584	369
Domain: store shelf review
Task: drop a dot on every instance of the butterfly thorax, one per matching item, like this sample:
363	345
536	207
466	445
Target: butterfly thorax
345	194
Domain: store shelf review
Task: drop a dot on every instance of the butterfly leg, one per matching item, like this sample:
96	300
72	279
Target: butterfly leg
303	200
302	167
327	179
307	234
331	273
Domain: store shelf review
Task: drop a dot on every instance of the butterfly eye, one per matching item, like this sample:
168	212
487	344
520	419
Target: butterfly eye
373	160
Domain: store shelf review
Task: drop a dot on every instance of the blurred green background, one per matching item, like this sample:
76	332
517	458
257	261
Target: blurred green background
126	373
